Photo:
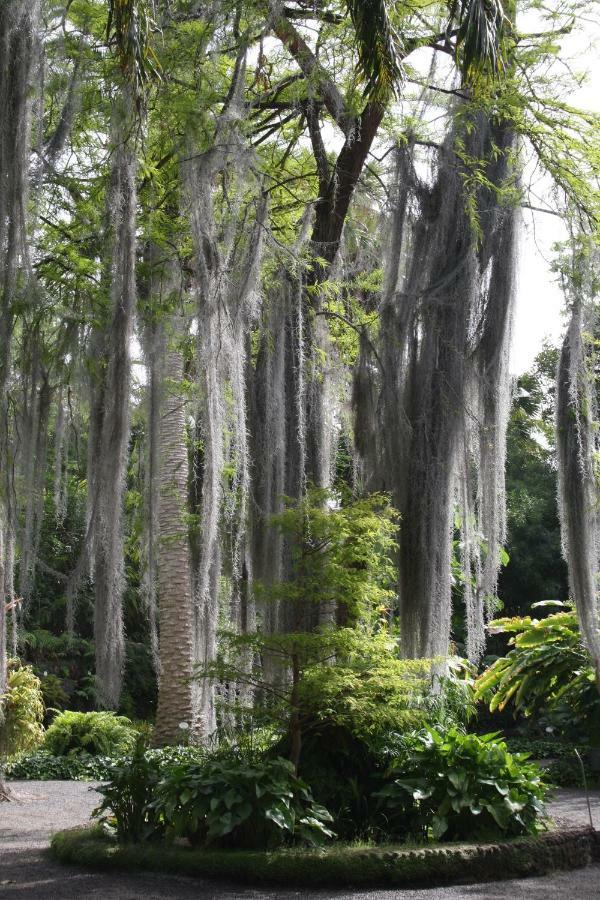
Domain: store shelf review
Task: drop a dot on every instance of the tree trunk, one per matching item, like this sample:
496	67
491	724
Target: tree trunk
295	717
175	692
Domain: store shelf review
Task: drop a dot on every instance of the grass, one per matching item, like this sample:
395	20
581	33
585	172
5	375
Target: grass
338	865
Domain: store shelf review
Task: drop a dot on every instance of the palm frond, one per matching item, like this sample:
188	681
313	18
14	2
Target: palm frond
482	28
378	47
128	30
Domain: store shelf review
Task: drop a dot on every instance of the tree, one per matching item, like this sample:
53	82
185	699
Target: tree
340	563
221	158
19	24
176	616
536	570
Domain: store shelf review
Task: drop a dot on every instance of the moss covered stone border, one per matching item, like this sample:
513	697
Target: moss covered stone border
341	866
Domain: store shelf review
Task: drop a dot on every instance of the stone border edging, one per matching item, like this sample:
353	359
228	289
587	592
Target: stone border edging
343	867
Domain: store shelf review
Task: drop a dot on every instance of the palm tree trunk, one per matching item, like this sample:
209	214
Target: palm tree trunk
175	693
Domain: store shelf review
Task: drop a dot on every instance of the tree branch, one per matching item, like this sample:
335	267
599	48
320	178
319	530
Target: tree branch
310	66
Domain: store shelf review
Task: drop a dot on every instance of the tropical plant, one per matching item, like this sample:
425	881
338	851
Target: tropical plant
95	733
547	672
233	802
128	796
22	711
450	785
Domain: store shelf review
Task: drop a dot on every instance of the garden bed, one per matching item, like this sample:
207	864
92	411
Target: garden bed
341	866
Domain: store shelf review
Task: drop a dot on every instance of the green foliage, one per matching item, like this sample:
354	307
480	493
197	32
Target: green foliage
378	47
96	733
44	766
536	569
236	803
355	718
547	671
540	748
63	663
482	26
370	692
340	555
340	567
21	711
454	786
128	796
335	868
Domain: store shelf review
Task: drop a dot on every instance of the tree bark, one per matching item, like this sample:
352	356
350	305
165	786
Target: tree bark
175	692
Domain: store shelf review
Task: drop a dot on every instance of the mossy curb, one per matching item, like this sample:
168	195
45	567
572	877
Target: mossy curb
341	866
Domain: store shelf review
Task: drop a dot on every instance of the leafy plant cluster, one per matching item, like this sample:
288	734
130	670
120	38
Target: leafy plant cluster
22	711
547	675
540	748
452	785
241	804
93	733
44	766
223	801
430	784
40	765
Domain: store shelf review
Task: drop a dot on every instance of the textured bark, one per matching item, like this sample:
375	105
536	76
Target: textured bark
175	701
111	466
337	183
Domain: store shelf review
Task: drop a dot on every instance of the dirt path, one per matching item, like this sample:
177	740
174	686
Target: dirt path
26	870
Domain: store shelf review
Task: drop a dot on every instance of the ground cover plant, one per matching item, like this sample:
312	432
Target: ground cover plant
334	867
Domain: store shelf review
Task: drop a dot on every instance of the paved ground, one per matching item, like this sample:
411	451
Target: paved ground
27	872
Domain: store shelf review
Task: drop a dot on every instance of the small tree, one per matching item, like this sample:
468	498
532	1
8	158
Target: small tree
334	606
21	716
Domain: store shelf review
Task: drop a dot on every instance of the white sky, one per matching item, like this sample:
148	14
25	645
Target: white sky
540	303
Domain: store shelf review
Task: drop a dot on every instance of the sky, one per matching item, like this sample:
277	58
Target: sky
540	307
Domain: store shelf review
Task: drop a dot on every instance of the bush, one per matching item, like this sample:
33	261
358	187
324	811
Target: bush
356	714
22	711
128	796
231	802
454	786
541	748
96	733
548	673
43	766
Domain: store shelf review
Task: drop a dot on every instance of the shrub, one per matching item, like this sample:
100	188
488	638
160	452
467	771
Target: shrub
43	766
355	715
128	795
547	673
351	713
454	786
234	803
96	733
22	711
541	748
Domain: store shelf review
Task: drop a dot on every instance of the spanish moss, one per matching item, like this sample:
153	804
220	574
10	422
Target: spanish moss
577	450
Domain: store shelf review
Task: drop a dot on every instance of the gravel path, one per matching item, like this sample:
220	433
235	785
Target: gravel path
26	870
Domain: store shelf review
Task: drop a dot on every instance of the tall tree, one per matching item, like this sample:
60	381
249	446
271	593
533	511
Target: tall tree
19	57
176	613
